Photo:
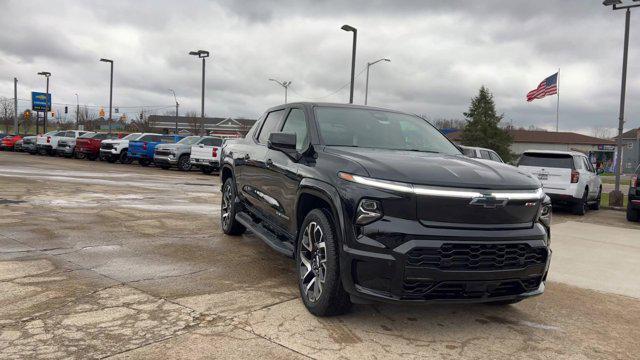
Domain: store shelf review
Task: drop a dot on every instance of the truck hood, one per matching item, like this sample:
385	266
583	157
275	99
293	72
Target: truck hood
437	169
167	146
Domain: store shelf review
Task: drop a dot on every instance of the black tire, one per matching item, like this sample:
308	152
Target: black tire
596	204
184	163
319	279
580	208
504	302
206	170
228	222
124	157
144	162
632	214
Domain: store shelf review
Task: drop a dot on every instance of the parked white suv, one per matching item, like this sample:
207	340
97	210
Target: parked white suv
206	154
567	177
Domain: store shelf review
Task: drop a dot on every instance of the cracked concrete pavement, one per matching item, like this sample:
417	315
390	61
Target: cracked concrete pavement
103	260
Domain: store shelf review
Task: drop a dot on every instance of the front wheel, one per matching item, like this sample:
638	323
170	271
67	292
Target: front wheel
124	157
184	163
318	266
228	209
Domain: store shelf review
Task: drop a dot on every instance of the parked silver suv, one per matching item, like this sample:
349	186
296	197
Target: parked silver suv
167	155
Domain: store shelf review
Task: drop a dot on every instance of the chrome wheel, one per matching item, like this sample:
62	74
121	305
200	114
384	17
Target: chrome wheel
227	198
313	261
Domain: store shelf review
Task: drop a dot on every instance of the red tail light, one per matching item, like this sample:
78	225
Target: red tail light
214	152
144	146
634	181
48	139
575	176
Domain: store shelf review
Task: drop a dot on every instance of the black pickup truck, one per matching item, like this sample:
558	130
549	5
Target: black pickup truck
378	205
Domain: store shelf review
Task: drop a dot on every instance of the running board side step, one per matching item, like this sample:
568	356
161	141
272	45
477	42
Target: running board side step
265	235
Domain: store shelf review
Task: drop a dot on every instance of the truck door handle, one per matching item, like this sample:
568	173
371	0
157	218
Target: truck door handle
269	162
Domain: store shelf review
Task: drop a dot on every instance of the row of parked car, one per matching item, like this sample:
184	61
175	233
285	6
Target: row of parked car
165	151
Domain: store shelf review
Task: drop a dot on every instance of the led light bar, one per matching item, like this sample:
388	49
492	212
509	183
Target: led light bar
442	191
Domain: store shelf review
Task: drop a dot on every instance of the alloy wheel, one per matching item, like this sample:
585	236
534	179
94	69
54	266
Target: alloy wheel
227	201
313	261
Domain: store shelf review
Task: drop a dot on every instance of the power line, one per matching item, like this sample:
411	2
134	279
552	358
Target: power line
333	93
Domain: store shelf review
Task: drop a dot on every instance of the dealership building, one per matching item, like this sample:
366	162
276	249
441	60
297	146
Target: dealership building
215	126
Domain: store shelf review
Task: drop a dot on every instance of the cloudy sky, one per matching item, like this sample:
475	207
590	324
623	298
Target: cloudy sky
441	52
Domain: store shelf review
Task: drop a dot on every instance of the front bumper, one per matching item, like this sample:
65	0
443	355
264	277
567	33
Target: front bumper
401	260
165	160
65	150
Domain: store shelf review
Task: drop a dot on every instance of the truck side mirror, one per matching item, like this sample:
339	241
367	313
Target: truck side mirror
285	142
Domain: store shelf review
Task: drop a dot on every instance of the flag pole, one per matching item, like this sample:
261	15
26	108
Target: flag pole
558	100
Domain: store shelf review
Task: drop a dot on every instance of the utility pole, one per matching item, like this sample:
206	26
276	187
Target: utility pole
285	85
110	90
202	54
46	74
15	106
616	197
77	112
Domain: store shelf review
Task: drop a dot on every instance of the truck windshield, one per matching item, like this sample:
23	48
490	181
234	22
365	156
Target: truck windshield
563	161
189	140
380	129
133	136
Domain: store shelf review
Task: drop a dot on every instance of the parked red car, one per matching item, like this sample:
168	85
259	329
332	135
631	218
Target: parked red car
88	145
9	141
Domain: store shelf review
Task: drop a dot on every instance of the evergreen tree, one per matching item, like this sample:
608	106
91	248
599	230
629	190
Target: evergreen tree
482	126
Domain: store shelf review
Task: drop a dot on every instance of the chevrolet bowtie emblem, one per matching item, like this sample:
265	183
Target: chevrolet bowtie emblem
488	202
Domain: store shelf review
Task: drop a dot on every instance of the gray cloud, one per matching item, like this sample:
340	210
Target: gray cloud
441	52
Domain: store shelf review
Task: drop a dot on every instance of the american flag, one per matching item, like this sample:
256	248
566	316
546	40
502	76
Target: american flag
548	86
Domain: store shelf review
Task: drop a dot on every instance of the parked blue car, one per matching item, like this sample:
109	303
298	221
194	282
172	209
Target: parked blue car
142	149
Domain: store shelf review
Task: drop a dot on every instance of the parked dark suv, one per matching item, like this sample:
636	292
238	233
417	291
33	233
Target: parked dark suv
376	204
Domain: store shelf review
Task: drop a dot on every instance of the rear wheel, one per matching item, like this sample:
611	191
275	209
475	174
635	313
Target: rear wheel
580	208
184	163
124	157
596	204
632	214
318	266
228	209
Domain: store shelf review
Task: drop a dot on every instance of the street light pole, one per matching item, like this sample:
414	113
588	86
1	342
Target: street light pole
16	130
202	54
285	85
46	74
366	87
353	57
177	105
77	111
616	198
110	90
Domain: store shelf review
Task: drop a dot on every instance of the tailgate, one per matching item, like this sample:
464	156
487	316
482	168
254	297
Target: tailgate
204	152
551	178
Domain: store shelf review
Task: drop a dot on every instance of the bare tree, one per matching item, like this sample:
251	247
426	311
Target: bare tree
194	121
602	132
6	112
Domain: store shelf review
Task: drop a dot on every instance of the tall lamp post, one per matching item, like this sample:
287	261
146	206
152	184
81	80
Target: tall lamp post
177	105
110	90
285	85
202	54
77	111
353	57
366	87
616	197
46	107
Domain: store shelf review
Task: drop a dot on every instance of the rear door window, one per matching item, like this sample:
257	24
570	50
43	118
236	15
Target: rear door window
167	139
550	160
485	154
296	124
270	125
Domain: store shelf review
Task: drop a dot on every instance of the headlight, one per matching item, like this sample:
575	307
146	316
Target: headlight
368	211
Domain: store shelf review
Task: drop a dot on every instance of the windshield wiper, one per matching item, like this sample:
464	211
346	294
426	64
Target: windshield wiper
425	151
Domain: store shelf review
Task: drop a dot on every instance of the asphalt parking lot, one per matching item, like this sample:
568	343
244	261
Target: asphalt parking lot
102	260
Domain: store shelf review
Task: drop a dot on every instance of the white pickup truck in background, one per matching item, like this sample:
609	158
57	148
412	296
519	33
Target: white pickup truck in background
114	150
43	142
206	154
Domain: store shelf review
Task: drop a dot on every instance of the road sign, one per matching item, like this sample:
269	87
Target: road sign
101	113
39	101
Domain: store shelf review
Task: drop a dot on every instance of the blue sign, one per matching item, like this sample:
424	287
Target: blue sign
39	101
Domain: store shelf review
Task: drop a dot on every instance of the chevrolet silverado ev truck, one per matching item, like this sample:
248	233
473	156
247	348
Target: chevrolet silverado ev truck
376	204
206	154
167	155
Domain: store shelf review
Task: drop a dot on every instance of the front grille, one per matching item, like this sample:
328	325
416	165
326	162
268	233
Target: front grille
461	257
461	290
107	146
163	152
